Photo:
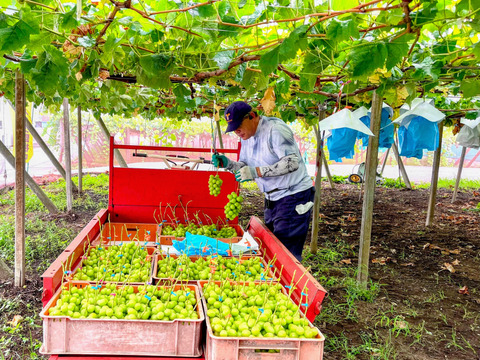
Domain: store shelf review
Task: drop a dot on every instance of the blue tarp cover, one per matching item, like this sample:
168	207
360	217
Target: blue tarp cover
420	135
342	141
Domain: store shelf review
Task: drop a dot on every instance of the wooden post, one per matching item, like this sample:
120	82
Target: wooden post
370	183
80	149
19	179
37	190
403	171
459	173
118	155
318	183
434	182
68	157
327	170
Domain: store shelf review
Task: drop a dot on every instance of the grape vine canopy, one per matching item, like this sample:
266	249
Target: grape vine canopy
175	58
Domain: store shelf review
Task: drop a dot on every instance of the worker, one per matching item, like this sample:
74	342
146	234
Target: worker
270	156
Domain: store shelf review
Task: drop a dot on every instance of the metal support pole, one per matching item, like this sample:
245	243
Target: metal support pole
403	171
459	173
118	155
80	149
370	183
434	182
19	179
318	183
68	156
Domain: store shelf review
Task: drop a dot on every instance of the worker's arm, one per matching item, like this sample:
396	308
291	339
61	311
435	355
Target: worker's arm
234	166
285	165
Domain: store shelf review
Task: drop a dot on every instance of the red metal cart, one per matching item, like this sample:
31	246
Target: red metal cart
140	195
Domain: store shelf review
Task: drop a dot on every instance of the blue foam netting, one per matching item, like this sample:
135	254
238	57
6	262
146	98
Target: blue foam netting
200	245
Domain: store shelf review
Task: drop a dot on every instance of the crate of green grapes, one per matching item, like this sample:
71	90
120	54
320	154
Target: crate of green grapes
111	319
254	321
129	262
194	268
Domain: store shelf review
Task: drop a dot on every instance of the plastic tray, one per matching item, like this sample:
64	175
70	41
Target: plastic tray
65	335
156	279
150	250
115	233
256	348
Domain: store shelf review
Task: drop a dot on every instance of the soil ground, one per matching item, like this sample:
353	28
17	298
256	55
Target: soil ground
429	276
428	305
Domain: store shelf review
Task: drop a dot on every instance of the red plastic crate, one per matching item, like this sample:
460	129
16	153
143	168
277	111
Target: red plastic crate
65	335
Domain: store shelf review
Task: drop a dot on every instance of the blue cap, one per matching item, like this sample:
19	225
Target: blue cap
235	113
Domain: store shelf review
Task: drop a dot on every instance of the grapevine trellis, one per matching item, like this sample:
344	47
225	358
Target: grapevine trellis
178	59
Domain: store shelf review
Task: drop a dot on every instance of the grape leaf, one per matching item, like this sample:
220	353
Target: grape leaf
206	11
86	41
468	5
50	67
343	4
427	67
307	82
288	115
69	19
13	38
157	70
224	58
339	31
296	40
183	97
269	61
470	88
476	50
240	72
396	50
283	85
366	58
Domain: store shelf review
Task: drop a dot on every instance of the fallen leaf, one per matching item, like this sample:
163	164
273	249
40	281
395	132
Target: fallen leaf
346	261
431	247
408	264
16	320
463	291
268	100
449	267
382	260
351	218
401	324
456	251
455	262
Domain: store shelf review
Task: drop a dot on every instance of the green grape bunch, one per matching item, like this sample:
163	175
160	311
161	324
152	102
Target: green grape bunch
214	184
234	206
